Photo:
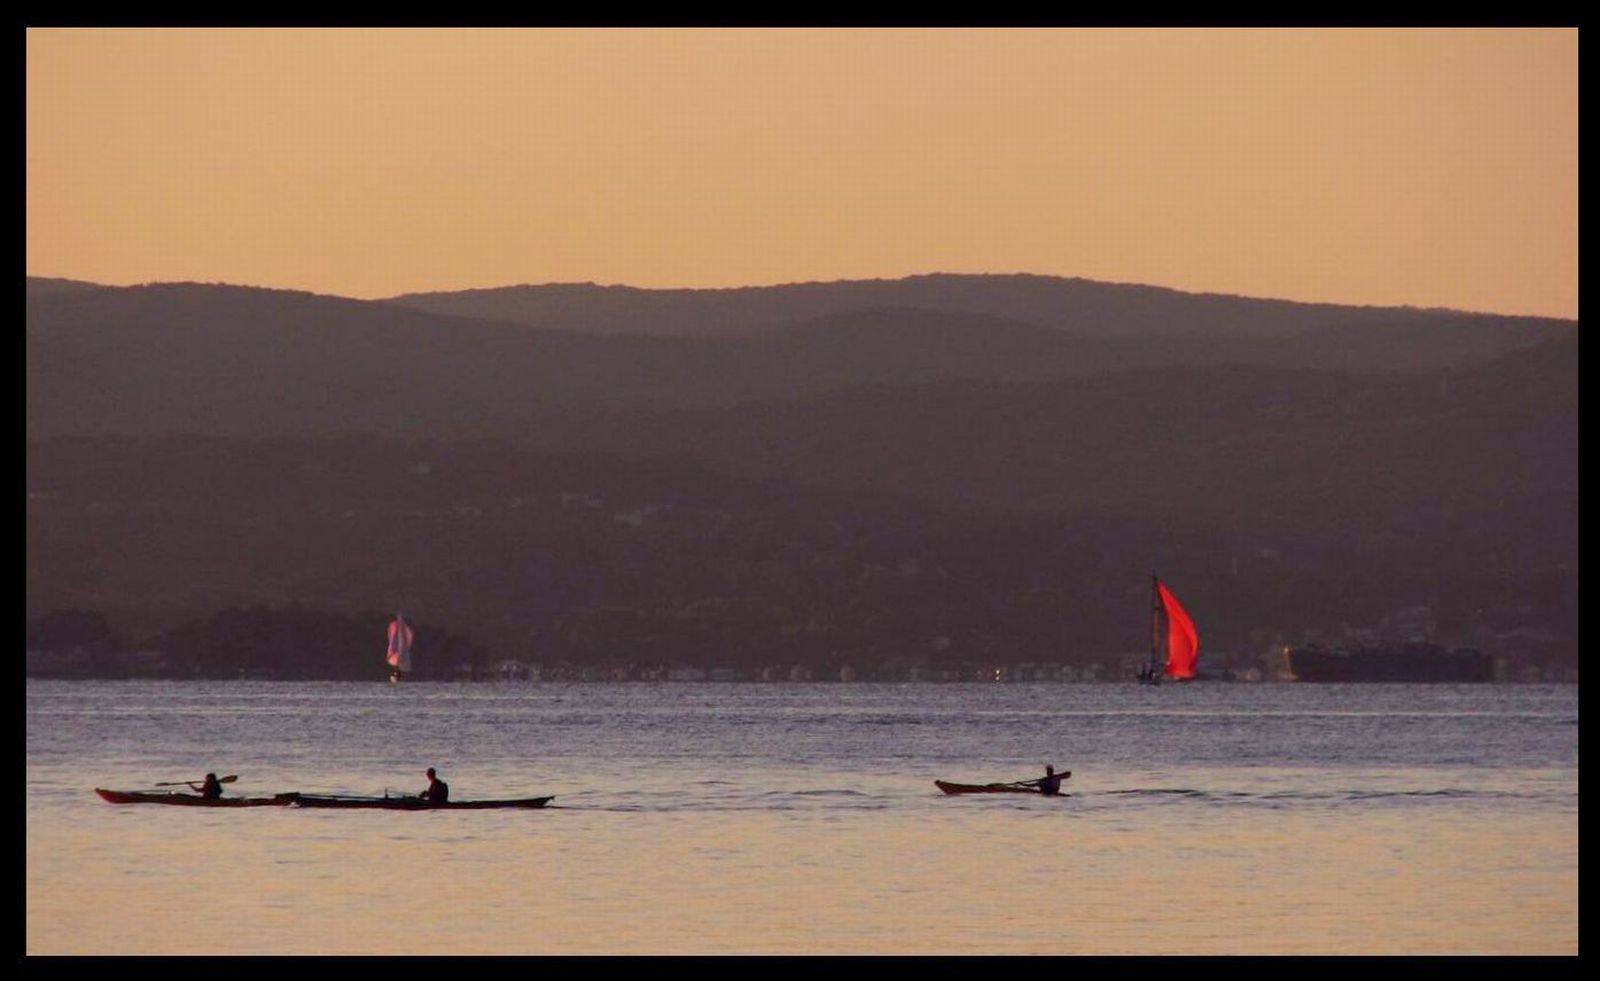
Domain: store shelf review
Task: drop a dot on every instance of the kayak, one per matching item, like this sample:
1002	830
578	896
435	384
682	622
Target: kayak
987	788
311	800
186	800
408	803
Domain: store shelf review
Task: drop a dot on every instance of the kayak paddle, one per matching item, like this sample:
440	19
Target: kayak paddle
230	778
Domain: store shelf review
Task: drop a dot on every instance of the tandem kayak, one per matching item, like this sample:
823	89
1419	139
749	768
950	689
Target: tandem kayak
408	803
988	788
187	800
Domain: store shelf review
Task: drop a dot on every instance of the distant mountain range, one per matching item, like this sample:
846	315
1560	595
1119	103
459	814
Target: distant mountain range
1355	442
1114	310
243	361
39	286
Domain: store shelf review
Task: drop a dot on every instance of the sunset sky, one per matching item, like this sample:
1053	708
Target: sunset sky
1428	167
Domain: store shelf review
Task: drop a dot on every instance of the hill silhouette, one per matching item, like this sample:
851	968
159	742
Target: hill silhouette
1115	310
242	361
200	447
1481	460
42	286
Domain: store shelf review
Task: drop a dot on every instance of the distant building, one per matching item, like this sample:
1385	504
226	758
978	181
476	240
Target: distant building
511	671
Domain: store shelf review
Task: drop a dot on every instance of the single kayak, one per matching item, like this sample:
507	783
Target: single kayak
187	800
986	788
408	803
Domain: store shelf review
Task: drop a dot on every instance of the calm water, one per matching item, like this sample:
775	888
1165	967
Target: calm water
803	819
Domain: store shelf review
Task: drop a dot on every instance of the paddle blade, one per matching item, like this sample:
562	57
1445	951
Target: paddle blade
230	778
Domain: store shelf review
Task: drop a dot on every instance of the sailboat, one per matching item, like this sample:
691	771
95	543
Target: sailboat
1174	643
399	656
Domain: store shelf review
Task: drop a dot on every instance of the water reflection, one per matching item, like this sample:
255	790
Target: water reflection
803	819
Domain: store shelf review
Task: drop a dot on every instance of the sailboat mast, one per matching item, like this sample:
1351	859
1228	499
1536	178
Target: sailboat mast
1155	625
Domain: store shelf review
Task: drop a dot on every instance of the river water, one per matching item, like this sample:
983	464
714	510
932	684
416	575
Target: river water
802	818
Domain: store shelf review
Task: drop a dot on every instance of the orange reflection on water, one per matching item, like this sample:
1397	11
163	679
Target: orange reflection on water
953	877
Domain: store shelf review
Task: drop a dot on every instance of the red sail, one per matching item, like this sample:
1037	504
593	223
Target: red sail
1183	642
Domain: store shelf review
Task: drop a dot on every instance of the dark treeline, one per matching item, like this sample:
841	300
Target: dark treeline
292	643
592	560
299	643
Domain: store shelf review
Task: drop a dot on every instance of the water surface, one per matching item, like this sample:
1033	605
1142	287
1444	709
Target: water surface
802	818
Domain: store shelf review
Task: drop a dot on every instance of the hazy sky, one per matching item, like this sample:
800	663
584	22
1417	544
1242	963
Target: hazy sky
1434	168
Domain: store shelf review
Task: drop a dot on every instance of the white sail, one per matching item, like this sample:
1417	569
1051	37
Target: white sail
399	656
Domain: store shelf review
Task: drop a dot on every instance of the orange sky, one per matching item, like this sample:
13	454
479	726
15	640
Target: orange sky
1433	168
